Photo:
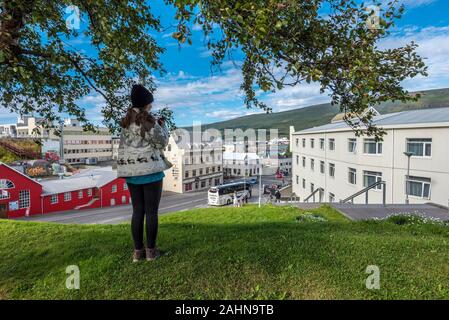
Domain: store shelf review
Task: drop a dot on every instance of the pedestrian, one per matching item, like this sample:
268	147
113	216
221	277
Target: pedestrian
236	200
141	162
277	195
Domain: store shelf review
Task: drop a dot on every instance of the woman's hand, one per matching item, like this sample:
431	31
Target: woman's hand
161	121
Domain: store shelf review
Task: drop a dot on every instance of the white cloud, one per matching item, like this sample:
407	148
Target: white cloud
415	3
226	114
433	47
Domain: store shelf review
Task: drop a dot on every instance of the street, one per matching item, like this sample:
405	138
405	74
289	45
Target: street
170	202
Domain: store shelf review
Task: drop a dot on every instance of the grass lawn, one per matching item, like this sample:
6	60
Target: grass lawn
229	253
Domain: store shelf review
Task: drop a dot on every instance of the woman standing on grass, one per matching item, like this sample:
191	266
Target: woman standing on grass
141	162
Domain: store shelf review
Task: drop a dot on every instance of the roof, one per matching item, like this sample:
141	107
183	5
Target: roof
435	115
240	156
90	178
341	116
22	174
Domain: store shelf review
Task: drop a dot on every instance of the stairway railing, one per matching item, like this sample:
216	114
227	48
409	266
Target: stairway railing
365	190
313	195
19	151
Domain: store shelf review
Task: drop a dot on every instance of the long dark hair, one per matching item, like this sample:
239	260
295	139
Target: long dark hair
141	118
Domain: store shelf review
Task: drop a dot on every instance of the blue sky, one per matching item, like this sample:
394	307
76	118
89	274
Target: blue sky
196	94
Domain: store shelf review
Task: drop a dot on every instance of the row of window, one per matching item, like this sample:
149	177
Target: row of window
241	162
68	195
229	171
77	142
201	171
201	160
201	184
419	147
75	151
415	186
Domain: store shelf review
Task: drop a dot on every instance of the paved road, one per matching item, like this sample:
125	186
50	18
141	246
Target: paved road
170	202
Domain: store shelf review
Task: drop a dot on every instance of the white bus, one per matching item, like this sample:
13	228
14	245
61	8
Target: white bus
224	194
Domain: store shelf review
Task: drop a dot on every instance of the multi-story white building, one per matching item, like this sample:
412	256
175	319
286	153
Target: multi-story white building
331	157
272	164
30	126
195	166
87	147
8	130
115	145
239	164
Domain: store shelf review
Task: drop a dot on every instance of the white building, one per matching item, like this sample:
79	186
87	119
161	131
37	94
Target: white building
8	130
195	166
239	164
30	126
331	157
115	145
272	164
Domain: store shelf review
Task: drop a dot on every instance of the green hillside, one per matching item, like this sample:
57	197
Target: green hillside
321	114
230	253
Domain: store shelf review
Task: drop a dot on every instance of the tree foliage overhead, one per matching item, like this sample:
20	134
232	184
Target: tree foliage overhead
284	43
41	72
332	42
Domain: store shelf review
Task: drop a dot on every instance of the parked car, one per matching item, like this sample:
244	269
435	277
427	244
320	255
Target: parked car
253	180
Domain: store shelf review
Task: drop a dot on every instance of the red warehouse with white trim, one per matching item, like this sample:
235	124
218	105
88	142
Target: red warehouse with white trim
97	188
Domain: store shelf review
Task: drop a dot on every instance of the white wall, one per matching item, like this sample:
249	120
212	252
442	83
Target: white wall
392	163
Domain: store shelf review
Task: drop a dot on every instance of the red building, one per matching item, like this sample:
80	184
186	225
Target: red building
21	195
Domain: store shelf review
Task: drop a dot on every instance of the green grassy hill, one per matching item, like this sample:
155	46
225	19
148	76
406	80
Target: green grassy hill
321	114
229	253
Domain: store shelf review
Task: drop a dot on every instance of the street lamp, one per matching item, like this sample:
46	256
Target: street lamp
408	155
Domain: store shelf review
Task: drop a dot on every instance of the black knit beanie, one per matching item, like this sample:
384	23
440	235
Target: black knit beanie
140	96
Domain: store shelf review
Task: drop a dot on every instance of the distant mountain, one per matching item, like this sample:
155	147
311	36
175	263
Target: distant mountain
323	113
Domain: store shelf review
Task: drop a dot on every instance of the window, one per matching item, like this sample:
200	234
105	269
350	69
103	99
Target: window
188	187
114	188
89	192
352	145
331	197
54	199
312	164
297	142
297	160
331	144
322	144
371	177
6	184
186	174
125	186
67	196
303	142
352	176
418	187
332	169
303	183
420	147
312	143
80	194
370	146
312	187
304	162
24	199
4	194
297	179
194	173
322	167
123	199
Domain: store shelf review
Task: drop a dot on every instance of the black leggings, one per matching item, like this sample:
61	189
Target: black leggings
145	200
